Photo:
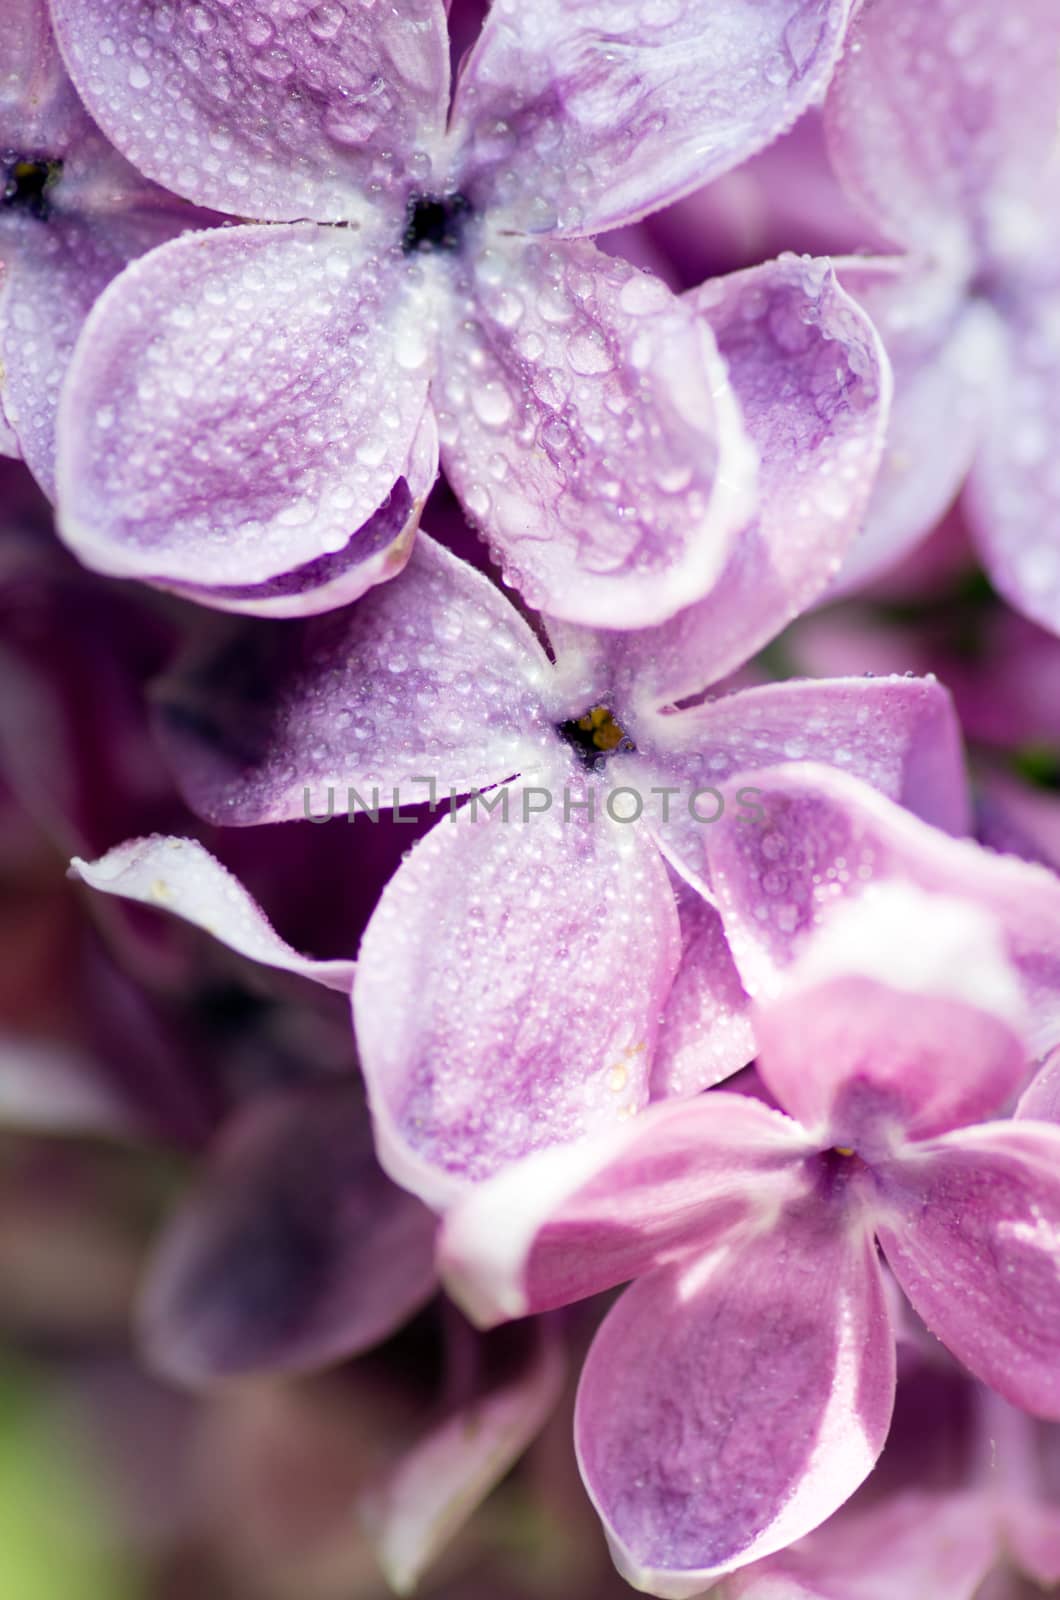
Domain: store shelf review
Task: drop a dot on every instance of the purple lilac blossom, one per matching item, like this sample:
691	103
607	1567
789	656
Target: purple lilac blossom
243	402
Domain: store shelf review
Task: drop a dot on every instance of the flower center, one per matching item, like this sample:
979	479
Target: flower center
435	222
595	736
27	181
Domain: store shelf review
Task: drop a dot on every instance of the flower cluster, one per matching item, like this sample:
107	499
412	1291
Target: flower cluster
551	447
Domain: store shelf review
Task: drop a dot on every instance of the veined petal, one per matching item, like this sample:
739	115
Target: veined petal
294	1250
945	352
1014	494
225	105
900	1018
728	1406
182	877
813	386
970	1224
378	551
509	988
431	683
221	419
440	1480
569	1222
827	837
579	117
941	119
589	430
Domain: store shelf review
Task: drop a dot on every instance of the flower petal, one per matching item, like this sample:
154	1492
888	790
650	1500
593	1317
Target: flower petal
827	837
945	352
222	104
1014	494
508	990
941	118
728	1406
900	1017
241	345
293	1251
579	117
434	677
813	384
182	877
52	277
569	1222
1041	1100
899	734
588	428
411	1516
705	1035
970	1225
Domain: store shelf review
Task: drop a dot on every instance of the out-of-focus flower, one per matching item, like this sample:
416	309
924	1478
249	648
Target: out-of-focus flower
742	1388
942	123
254	415
73	213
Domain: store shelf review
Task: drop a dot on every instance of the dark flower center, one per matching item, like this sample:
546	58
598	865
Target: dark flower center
595	736
27	181
435	222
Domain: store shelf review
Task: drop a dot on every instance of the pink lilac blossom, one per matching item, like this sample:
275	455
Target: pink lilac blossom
223	428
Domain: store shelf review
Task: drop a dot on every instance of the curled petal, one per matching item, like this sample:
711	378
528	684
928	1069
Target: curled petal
901	1017
579	117
568	1222
225	105
941	119
410	1516
970	1225
292	1251
508	989
431	679
826	836
944	351
729	1405
180	876
588	427
1014	494
220	424
813	384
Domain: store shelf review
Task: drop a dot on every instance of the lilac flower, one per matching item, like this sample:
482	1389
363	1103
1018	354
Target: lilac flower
73	213
511	982
942	122
740	1391
254	416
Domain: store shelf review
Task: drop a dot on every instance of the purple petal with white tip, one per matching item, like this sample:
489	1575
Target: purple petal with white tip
589	430
539	954
970	1225
893	990
220	423
728	1406
275	119
579	117
434	676
292	1251
569	1222
828	837
182	877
